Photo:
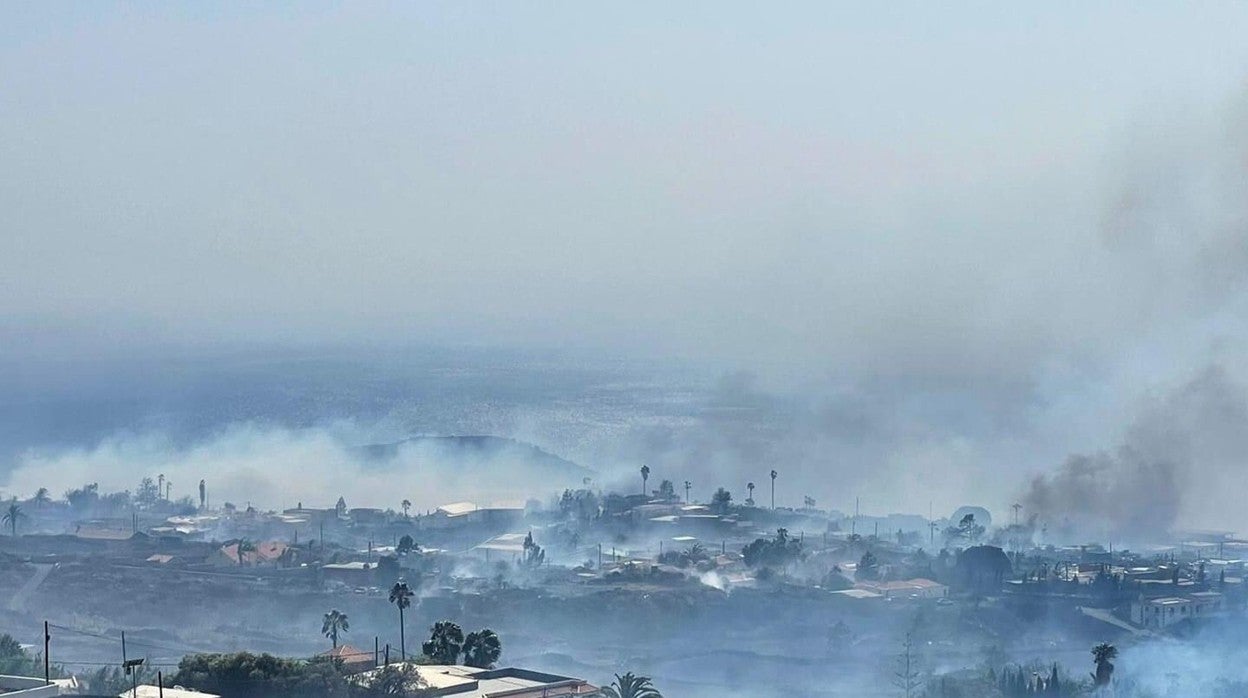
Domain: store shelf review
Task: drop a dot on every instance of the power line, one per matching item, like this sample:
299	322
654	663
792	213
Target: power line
141	643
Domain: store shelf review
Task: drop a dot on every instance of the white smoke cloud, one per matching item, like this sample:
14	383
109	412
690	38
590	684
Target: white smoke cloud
273	468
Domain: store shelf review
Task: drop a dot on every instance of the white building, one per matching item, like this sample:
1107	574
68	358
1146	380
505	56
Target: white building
1167	610
146	691
466	513
470	682
917	588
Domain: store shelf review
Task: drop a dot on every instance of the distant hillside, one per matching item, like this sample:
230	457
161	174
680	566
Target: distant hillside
490	455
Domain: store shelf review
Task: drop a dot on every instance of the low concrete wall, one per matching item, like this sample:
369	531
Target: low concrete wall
27	687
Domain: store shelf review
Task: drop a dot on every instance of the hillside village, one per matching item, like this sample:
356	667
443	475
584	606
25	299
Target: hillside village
838	586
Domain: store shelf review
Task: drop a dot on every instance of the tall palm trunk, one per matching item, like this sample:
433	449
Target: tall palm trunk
402	637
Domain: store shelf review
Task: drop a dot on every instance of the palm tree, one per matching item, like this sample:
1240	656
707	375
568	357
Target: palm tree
750	486
244	546
446	639
407	504
12	514
335	622
631	686
645	475
1102	656
482	649
41	497
401	596
406	545
773	489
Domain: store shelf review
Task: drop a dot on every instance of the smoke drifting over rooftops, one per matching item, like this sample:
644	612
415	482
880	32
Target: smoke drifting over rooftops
1176	460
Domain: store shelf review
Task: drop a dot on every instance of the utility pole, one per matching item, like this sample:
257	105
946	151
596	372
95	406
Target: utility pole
387	654
130	667
160	685
687	486
47	639
376	650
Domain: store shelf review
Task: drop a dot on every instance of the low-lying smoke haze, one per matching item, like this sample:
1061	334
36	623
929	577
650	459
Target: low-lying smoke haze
866	249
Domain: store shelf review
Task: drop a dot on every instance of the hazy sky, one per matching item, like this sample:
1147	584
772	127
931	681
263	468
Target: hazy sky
1045	204
803	180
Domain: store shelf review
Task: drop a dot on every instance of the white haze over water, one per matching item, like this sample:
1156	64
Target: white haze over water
276	468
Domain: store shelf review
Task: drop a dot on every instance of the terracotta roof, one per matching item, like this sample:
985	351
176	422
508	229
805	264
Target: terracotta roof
349	654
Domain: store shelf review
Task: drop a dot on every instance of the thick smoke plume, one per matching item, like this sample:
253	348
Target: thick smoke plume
1167	471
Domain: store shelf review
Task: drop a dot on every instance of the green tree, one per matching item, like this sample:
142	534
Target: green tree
334	622
1103	656
396	680
246	675
907	676
629	685
721	500
534	555
406	545
777	552
41	497
401	596
482	649
967	530
148	492
83	498
645	475
667	490
446	641
15	661
12	515
868	567
244	546
407	504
